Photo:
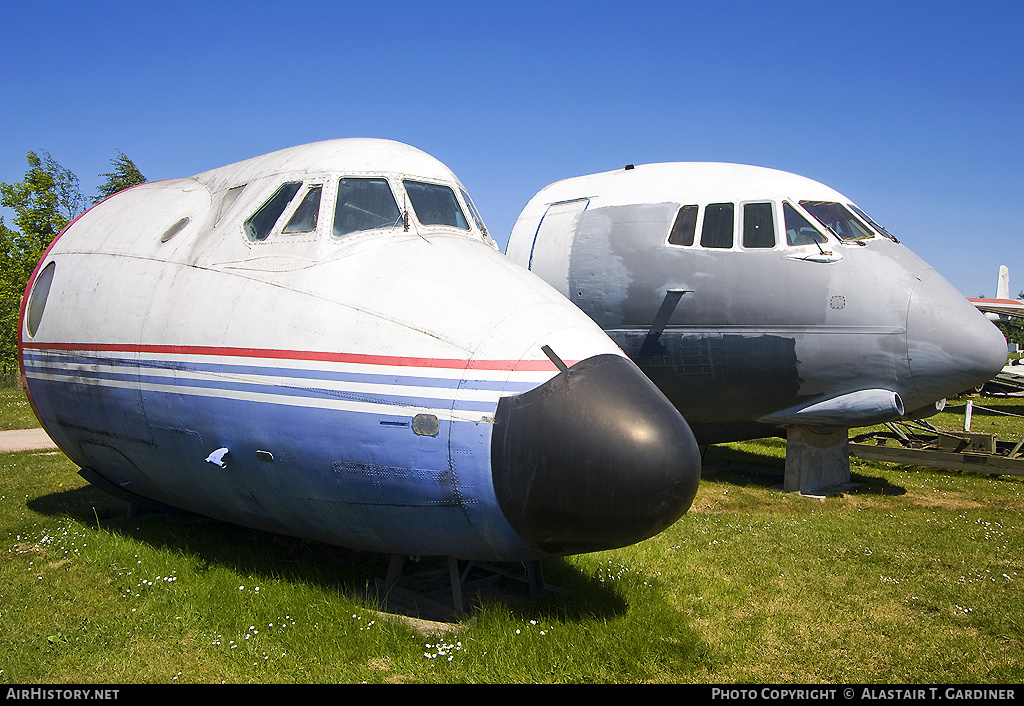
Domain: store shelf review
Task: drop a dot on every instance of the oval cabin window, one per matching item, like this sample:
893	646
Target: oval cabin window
175	229
37	301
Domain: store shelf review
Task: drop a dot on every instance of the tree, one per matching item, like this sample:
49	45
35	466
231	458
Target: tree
1012	330
125	175
44	202
11	275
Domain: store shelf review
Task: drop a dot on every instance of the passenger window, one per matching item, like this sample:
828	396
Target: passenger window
435	205
684	227
259	224
364	204
305	216
718	225
758	225
799	230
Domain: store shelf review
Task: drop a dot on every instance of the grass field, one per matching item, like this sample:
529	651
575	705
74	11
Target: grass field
15	411
916	576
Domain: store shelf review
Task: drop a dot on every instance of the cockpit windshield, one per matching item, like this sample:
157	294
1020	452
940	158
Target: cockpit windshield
872	223
364	204
435	204
799	230
838	219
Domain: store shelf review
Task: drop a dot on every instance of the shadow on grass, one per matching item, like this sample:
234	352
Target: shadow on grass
751	469
742	468
873	485
210	542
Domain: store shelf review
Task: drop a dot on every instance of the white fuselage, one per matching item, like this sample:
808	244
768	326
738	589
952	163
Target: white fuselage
315	342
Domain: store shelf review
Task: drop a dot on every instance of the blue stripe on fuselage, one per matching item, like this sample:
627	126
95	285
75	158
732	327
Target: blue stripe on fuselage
274	380
511	387
339	476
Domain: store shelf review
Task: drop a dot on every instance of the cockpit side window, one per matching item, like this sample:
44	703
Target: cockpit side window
758	225
799	230
228	200
473	212
870	221
364	204
838	219
717	230
435	204
684	227
259	224
305	216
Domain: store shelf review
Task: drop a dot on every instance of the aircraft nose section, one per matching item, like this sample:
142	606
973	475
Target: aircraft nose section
593	459
952	347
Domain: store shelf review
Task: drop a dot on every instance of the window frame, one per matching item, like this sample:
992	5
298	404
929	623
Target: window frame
279	188
811	221
474	214
854	219
703	222
695	207
298	201
428	182
742	225
331	197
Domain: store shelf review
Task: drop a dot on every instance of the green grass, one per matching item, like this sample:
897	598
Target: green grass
916	576
1002	416
15	411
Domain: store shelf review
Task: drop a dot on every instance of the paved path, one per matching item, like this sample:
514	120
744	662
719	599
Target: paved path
25	440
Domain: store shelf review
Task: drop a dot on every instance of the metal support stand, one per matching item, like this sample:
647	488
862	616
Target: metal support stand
927	445
422	588
453	576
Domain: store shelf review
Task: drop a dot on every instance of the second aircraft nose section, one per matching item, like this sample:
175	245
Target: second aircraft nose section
952	347
593	459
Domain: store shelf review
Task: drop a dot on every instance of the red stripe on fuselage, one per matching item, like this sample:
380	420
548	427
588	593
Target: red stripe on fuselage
317	356
32	280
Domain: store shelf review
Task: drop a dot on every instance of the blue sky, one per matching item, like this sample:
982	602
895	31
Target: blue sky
915	110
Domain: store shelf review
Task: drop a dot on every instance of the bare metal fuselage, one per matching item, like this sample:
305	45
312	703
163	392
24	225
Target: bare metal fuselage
747	341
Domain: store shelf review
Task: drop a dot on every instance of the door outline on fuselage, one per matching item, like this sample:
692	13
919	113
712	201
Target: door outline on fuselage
559	239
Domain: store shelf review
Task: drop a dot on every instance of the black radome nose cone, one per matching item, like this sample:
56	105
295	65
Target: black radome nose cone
595	458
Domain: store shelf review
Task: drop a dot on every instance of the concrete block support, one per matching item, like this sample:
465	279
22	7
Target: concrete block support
817	459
